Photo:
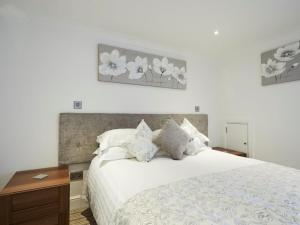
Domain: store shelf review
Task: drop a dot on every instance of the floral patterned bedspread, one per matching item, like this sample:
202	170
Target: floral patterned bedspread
261	194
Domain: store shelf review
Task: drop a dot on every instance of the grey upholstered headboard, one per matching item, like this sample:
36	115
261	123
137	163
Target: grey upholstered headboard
78	131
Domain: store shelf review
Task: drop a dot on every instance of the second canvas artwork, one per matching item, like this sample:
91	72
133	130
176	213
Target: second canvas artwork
281	64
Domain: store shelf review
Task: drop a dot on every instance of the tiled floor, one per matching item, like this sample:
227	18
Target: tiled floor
80	213
82	217
78	203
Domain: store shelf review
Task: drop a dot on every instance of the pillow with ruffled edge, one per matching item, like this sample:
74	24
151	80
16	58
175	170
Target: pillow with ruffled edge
115	138
189	128
195	146
114	153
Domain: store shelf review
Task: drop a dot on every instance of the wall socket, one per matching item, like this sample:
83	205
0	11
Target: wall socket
76	175
77	104
197	108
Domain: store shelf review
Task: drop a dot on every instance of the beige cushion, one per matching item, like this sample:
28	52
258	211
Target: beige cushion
173	139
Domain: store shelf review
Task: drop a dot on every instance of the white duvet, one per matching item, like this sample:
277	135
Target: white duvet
112	184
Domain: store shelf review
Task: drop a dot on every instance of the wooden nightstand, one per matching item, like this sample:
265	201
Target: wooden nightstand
242	154
27	201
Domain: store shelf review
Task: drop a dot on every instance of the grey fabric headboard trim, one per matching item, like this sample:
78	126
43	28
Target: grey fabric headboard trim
78	131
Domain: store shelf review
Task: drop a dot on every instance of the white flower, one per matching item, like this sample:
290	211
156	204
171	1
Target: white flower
295	65
163	67
287	52
292	67
178	74
137	68
273	68
112	64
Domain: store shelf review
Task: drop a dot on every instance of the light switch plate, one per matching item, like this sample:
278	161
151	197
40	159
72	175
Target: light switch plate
197	108
77	104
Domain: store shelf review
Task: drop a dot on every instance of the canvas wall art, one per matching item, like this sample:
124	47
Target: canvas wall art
281	64
120	65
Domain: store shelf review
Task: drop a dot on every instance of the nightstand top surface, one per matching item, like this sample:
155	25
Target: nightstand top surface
234	152
22	181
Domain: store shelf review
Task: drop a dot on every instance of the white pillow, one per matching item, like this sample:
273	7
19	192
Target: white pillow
194	147
192	131
155	134
143	130
142	148
96	152
115	138
114	153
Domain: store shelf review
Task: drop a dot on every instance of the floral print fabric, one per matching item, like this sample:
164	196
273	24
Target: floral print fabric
266	194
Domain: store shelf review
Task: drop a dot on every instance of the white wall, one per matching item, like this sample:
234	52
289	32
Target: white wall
45	65
272	111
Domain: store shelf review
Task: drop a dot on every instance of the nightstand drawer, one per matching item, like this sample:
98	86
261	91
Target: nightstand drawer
49	220
34	198
35	213
24	201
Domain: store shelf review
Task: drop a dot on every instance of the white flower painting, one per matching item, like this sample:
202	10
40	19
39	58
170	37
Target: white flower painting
138	68
273	68
281	64
288	52
112	64
121	65
179	75
163	67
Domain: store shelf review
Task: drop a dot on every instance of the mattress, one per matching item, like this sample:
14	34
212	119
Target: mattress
113	183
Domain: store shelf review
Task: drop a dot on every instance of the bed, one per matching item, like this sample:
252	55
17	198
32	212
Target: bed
209	188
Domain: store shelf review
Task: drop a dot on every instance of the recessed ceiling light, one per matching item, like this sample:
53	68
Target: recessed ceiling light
216	33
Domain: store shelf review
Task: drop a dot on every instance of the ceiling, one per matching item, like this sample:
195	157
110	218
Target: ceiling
187	24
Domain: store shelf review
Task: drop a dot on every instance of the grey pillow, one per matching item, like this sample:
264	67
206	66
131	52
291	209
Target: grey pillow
173	139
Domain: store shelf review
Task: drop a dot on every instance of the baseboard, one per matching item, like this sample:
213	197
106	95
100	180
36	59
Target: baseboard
75	197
